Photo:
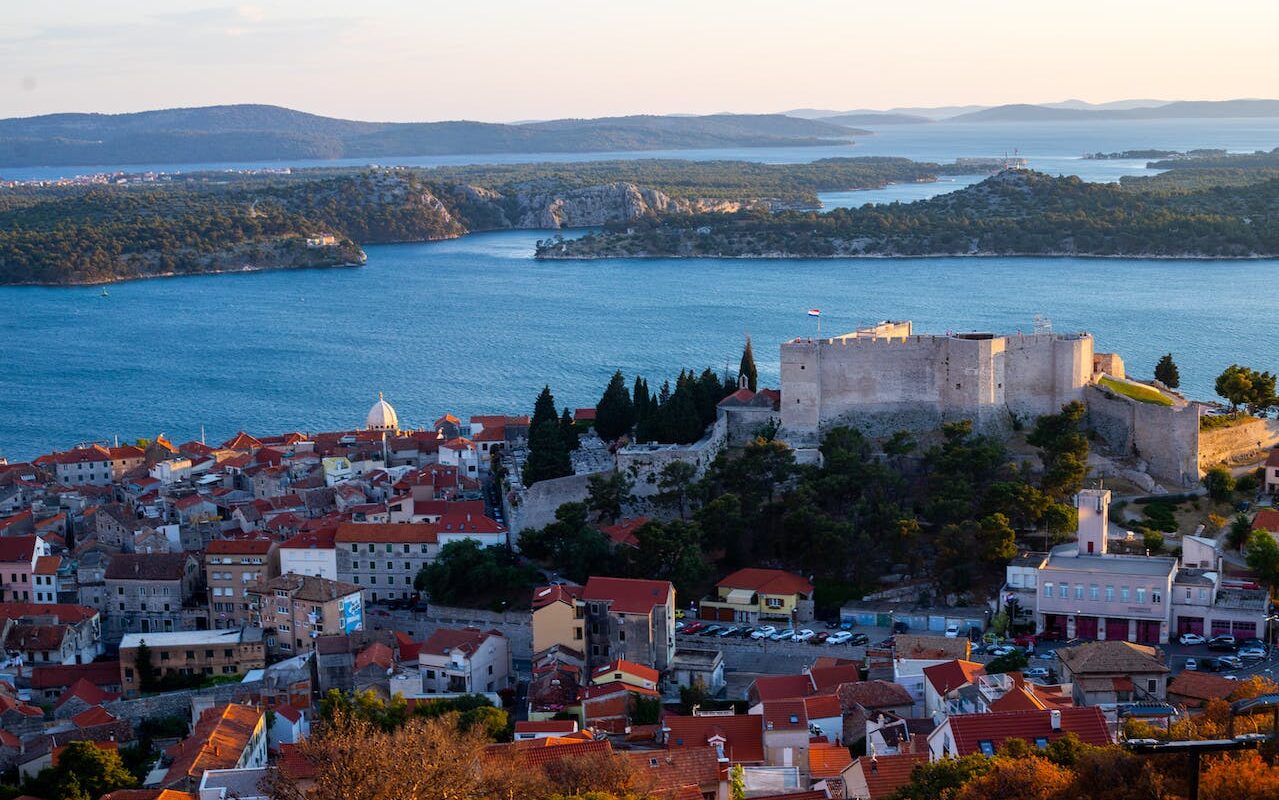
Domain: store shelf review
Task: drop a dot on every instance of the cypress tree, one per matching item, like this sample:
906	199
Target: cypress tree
747	369
568	431
639	398
547	448
1166	372
615	412
544	408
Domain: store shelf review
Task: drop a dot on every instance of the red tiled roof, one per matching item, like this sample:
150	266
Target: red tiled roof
767	581
148	794
828	679
584	414
87	691
668	770
17	549
388	532
1272	460
623	532
1199	687
288	712
218	740
546	726
99	673
468	640
555	593
147	566
8	703
872	695
628	667
29	637
617	687
65	613
407	646
782	687
1267	519
294	764
322	539
467	522
242	441
48	565
968	730
886	774
785	715
743	735
244	547
96	715
826	760
376	653
953	675
628	595
822	706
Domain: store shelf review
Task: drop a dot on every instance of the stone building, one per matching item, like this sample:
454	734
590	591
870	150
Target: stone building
631	619
295	611
148	592
225	652
231	566
383	559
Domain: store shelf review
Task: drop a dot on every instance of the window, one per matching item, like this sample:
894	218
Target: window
1123	594
1064	591
1041	742
1141	595
164	655
1187	593
1203	595
355	565
1110	594
406	548
1048	589
190	655
423	548
1156	596
390	566
774	602
430	674
1094	592
1150	685
986	745
388	548
1079	591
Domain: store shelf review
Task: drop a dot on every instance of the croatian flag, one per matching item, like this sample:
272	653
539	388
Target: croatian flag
814	312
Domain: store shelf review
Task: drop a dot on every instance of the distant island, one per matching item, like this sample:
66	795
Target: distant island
1191	214
244	133
125	227
1137	154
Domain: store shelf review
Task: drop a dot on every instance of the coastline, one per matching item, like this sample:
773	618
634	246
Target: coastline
907	256
158	275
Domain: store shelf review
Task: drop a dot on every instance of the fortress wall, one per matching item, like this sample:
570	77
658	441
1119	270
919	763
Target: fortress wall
1166	438
1221	445
801	386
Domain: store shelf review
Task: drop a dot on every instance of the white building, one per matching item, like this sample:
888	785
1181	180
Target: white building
310	553
464	660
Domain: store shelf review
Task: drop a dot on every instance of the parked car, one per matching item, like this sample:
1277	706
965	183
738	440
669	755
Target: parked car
1231	662
900	627
1040	673
679	626
1225	643
821	637
728	631
859	639
952	630
839	638
1189	639
711	630
1026	640
1252	651
803	635
887	644
846	625
763	632
421	607
832	625
1191	664
783	635
693	627
1003	650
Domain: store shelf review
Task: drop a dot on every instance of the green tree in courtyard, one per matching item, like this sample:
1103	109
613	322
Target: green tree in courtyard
1166	372
1219	483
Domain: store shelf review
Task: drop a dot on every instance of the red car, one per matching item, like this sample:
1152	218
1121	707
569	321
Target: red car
1026	640
693	627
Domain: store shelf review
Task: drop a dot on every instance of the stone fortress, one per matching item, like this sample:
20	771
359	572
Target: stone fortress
885	378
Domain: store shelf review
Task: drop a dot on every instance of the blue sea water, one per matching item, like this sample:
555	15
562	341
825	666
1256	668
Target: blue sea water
475	325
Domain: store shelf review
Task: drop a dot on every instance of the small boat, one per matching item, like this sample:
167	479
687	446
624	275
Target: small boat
104	293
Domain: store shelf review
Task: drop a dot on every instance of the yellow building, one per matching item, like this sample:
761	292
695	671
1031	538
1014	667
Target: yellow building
750	595
558	618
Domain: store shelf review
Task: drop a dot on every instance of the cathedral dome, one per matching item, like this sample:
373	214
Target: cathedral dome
382	416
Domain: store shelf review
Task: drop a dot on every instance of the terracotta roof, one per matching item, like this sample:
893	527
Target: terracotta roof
623	532
666	770
629	667
1112	656
467	522
67	613
1196	688
407	646
555	593
294	764
828	679
584	414
310	588
540	752
826	760
873	694
244	547
99	673
615	687
628	595
388	533
785	715
445	640
288	712
376	653
886	774
322	539
147	566
8	703
1029	697
217	742
87	691
782	687
546	726
767	581
969	730
28	637
148	794
97	715
822	706
743	735
48	565
952	675
242	441
15	549
1267	519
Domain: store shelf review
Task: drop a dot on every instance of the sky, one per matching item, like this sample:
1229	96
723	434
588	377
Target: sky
506	60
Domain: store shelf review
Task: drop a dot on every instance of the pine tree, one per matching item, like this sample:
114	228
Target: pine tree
1166	372
544	408
547	448
615	412
747	369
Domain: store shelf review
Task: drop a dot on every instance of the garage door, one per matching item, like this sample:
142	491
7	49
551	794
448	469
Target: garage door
1220	627
1117	630
1085	627
1148	632
1244	630
1190	625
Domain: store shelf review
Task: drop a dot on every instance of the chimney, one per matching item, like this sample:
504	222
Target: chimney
1054	718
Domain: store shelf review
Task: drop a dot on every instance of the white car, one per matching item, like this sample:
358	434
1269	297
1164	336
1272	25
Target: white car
952	631
1192	664
839	638
1252	651
763	633
1191	639
1003	650
783	635
803	636
1040	673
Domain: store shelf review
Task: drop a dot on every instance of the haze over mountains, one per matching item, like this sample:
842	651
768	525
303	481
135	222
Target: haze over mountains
245	133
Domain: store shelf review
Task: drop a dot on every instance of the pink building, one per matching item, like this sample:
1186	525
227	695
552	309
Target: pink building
18	556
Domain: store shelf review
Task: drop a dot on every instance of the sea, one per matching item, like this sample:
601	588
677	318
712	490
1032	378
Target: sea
476	325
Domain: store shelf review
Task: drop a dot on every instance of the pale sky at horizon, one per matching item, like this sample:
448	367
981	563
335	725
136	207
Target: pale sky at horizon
506	60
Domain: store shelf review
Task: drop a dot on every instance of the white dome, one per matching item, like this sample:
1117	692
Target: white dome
382	416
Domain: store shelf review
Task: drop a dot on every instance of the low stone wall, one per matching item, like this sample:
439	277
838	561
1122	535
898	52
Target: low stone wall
177	703
644	463
1165	437
1239	443
537	504
516	626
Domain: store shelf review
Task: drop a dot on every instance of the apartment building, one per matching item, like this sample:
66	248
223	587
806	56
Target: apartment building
224	652
295	610
231	566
